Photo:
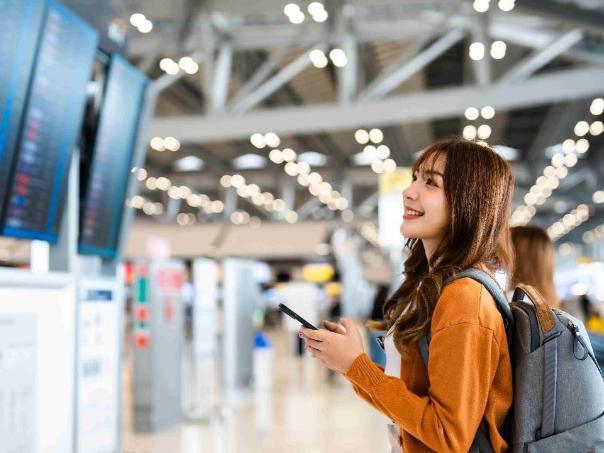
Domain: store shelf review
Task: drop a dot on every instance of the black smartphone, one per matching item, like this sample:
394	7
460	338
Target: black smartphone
292	314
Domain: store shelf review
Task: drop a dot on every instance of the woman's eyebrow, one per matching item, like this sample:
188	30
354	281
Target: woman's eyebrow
433	172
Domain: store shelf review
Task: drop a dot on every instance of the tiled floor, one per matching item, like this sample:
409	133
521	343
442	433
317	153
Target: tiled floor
298	412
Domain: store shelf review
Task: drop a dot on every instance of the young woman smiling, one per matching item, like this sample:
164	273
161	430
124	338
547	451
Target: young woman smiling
456	217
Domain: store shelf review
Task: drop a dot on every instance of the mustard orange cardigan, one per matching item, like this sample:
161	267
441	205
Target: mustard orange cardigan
469	371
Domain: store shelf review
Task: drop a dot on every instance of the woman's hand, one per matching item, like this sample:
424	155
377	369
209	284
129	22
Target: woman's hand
337	348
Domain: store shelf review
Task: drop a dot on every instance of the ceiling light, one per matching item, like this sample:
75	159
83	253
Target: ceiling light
174	192
376	135
506	5
361	136
291	9
163	183
137	202
137	19
487	112
257	140
325	188
570	160
338	57
389	165
291	217
597	106
318	58
484	131
157	143
149	208
549	171
303	179
581	128
558	160
561	172
237	181
377	166
142	174
171	144
383	152
476	51
272	139
596	128
151	183
582	145
173	68
188	163
291	168
481	6
321	16
276	156
598	197
146	26
471	113
315	7
498	49
315	178
289	155
278	204
370	151
303	167
297	17
469	132
568	145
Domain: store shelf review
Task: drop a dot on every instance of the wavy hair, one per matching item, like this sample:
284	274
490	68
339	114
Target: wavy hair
479	186
534	261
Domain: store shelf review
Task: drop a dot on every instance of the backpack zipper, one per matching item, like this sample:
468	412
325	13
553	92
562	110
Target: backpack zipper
579	338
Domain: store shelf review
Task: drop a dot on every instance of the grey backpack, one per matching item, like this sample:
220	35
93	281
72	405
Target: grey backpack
558	404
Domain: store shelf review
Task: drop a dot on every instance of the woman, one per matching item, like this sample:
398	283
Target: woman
534	261
456	217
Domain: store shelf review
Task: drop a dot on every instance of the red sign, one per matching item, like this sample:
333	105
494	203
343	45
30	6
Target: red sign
141	314
141	340
170	278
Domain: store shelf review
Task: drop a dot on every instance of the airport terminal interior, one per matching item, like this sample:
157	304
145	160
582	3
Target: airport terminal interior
172	171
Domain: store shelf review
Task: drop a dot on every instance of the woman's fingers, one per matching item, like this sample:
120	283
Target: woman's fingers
319	345
334	327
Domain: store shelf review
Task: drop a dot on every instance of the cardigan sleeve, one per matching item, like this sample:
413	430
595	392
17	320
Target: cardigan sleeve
461	369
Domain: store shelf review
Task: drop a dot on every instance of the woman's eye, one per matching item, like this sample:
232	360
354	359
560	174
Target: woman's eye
414	178
430	182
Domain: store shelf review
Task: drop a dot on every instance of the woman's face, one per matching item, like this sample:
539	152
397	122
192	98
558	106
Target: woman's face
426	213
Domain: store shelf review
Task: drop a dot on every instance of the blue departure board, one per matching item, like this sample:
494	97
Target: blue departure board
107	183
51	125
20	25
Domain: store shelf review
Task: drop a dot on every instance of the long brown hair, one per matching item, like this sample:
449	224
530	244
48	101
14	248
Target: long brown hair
478	185
534	261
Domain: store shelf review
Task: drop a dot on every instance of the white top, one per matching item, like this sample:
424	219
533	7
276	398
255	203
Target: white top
393	357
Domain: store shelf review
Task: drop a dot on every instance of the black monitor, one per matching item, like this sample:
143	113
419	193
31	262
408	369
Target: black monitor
51	125
20	27
106	179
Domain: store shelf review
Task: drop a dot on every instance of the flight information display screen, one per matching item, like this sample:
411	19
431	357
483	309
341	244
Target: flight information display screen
20	25
51	125
111	162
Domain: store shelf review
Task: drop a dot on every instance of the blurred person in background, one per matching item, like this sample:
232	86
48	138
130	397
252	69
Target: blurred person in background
306	299
456	217
377	315
534	260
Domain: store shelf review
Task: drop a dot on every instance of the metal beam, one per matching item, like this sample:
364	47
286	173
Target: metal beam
308	207
482	67
399	71
267	68
541	57
347	76
559	86
274	83
222	74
